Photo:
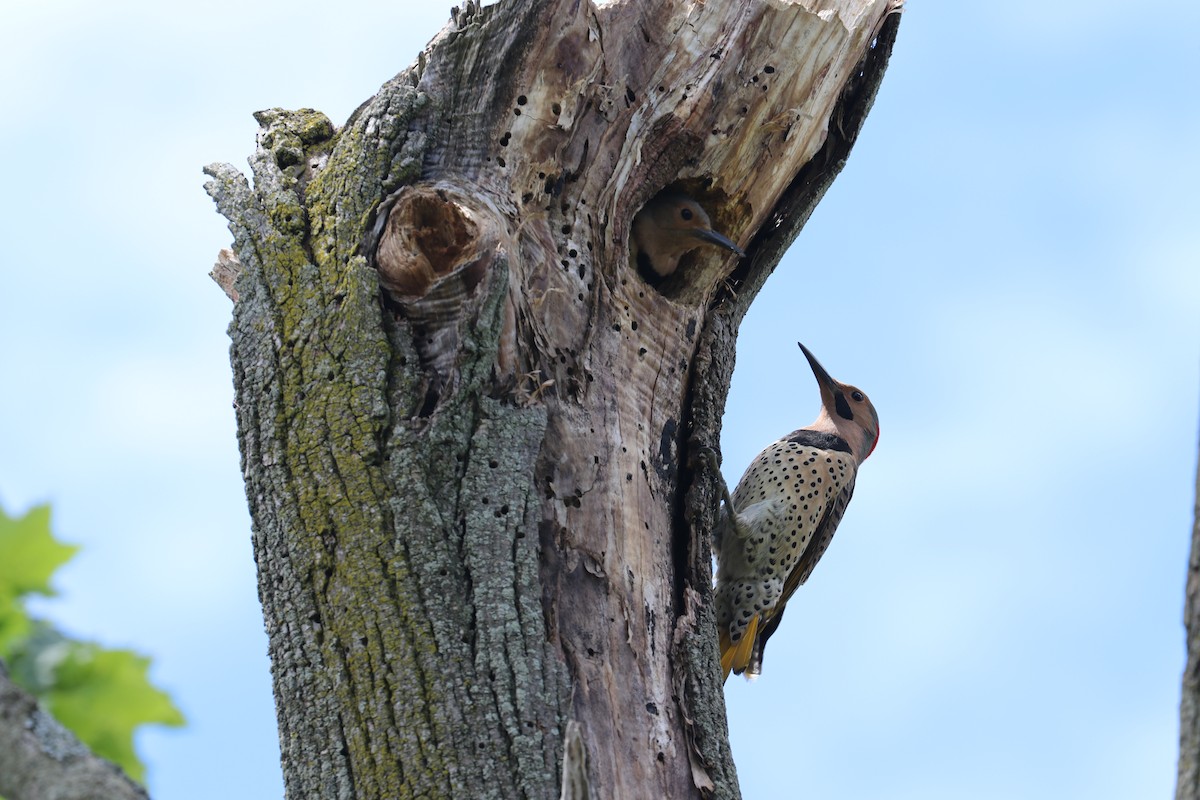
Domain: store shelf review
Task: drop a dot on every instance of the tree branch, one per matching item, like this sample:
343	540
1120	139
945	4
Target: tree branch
42	760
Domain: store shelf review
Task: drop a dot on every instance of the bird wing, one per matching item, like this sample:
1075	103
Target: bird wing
752	661
820	543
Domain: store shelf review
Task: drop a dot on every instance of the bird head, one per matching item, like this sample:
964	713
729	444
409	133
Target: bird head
670	225
845	410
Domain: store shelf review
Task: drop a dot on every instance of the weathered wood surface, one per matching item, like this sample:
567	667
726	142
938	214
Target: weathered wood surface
475	519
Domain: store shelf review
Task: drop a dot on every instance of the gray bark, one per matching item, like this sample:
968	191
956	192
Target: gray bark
42	760
467	424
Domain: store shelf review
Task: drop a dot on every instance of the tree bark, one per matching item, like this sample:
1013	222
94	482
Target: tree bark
42	760
1187	786
467	424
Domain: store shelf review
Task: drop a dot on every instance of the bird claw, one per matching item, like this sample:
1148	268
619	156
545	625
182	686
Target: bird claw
709	456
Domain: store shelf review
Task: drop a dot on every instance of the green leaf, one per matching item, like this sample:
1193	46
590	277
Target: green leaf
14	623
29	554
103	695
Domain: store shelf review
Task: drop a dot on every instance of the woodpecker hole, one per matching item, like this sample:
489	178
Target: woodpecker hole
427	236
700	269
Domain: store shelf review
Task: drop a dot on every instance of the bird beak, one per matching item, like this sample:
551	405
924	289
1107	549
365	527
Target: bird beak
712	237
823	377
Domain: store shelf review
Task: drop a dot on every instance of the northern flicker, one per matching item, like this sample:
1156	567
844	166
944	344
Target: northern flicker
784	512
669	226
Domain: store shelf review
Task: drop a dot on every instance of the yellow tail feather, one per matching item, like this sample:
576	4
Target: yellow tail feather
726	654
738	657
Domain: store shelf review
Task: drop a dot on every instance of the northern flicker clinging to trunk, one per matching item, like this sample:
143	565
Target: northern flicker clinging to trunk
787	507
669	226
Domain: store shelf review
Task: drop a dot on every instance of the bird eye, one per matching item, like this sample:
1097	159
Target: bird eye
858	396
686	213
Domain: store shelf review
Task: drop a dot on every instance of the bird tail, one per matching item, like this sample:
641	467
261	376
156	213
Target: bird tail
737	657
765	629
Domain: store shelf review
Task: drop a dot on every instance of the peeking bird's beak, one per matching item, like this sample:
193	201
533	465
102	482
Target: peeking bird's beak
712	237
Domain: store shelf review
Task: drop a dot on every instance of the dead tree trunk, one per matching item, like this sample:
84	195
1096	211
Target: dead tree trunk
1187	785
483	553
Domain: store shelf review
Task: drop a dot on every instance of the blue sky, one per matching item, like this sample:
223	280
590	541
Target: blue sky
1009	266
